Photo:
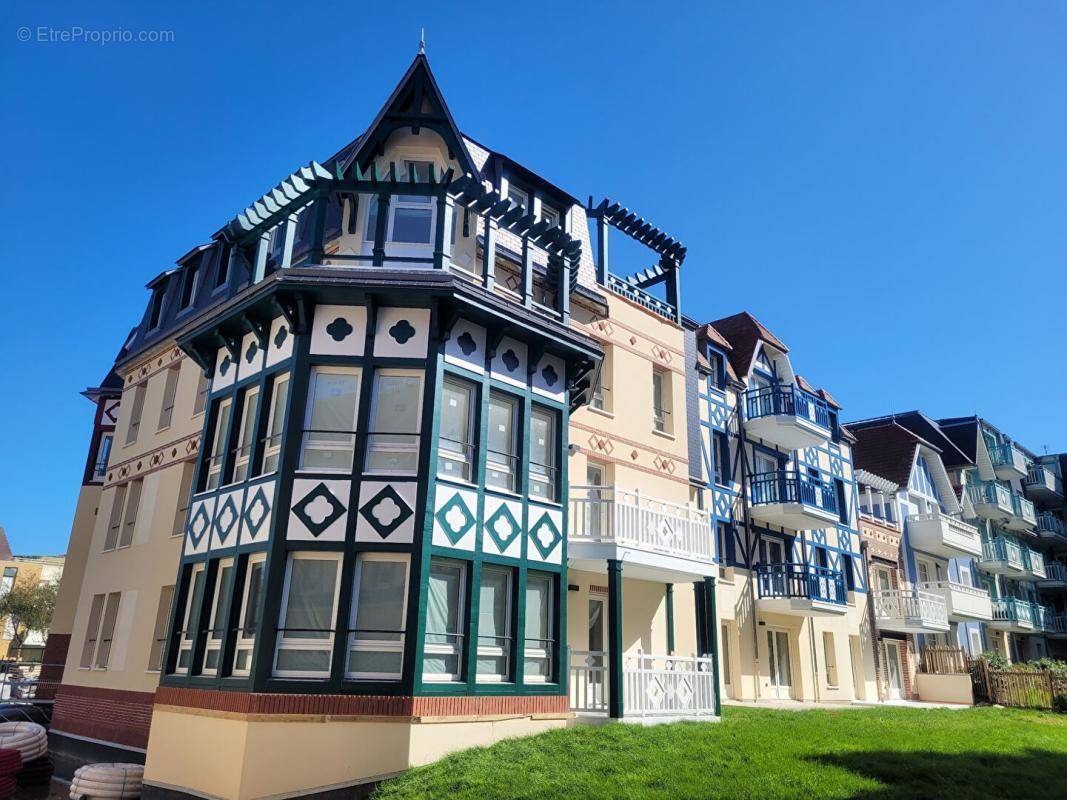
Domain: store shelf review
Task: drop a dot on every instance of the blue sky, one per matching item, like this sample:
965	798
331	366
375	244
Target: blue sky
881	183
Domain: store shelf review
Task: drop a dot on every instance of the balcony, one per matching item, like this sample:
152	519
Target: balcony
1043	617
1033	563
657	539
962	603
943	536
1008	461
655	687
1055	576
910	611
1002	556
1012	615
1023	516
1043	484
991	500
800	590
786	416
1057	626
793	500
1049	526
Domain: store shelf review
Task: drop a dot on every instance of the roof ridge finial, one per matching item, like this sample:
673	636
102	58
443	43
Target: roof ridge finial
422	41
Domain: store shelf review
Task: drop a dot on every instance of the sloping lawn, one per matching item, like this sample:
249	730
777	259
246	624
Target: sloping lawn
757	753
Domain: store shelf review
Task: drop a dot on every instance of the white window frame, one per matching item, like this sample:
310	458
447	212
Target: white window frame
445	649
399	248
217	456
550	214
540	653
242	455
378	645
496	650
187	638
393	447
513	189
467	458
512	468
244	642
309	410
213	643
285	643
273	449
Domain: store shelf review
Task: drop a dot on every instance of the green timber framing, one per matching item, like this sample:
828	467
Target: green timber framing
294	293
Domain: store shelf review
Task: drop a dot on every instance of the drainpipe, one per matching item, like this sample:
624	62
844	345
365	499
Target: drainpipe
814	660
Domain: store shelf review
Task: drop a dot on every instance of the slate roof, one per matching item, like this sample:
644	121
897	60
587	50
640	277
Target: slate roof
887	450
948	444
743	331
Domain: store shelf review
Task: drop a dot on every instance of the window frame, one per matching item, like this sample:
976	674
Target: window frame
309	410
115	518
497	651
468	458
215	633
92	631
158	649
270	450
187	642
376	645
282	642
133	427
550	478
215	458
242	449
514	458
242	642
106	637
130	512
443	649
372	424
545	653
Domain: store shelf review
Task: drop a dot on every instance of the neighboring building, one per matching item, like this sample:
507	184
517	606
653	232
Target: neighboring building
775	468
24	571
356	488
1044	485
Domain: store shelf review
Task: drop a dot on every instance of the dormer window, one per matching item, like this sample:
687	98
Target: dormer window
717	379
156	313
763	363
550	215
518	198
191	283
277	247
411	218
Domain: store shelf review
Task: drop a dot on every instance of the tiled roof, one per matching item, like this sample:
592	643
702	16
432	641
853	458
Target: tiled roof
743	331
716	337
949	445
887	450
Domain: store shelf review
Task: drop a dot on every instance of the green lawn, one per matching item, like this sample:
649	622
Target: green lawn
756	753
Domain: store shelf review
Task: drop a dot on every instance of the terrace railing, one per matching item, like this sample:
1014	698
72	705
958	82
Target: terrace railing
790	486
800	582
787	401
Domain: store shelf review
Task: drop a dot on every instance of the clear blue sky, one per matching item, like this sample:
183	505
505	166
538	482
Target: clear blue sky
883	184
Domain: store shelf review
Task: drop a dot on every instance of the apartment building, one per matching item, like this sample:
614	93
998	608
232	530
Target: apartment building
390	444
774	467
25	571
1043	485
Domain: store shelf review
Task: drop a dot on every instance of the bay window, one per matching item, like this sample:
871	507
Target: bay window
218	445
502	454
330	433
443	645
396	408
543	458
379	609
246	433
272	442
216	631
249	616
309	608
538	641
455	454
186	634
494	625
411	216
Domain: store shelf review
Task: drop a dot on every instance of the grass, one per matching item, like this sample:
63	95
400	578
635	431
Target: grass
758	753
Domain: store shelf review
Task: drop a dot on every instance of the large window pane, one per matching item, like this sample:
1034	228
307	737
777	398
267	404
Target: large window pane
246	434
305	639
494	624
218	444
393	442
376	644
538	633
187	634
443	648
455	452
217	624
272	442
412	225
501	457
543	454
329	439
249	616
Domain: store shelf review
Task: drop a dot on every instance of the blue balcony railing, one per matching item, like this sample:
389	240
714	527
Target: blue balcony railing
1001	549
1006	454
786	401
800	582
790	486
1049	524
1011	609
991	493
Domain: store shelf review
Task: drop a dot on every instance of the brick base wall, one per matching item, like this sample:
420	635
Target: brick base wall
110	715
55	656
359	705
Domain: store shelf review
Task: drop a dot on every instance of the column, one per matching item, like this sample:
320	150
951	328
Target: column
615	686
711	616
489	226
670	619
442	252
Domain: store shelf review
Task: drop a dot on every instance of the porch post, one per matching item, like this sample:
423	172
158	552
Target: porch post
615	688
381	229
490	226
701	616
442	254
670	619
712	617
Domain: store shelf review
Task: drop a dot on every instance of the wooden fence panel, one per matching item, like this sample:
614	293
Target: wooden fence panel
944	660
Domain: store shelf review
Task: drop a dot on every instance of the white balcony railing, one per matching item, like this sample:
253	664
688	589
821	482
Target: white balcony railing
912	608
943	535
653	685
961	601
607	514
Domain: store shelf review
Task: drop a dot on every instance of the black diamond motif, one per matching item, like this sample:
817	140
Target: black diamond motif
502	527
281	336
224	367
250	353
402	512
225	519
511	361
466	343
199	525
402	331
301	510
455	507
339	329
256	511
550	375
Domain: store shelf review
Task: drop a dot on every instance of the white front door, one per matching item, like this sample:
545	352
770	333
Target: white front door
894	670
780	665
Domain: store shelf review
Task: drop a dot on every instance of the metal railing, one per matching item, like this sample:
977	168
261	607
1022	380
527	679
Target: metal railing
1045	478
1049	524
790	486
914	604
787	401
800	582
628	517
1007	454
1033	561
1023	509
1011	609
1000	549
1056	571
991	493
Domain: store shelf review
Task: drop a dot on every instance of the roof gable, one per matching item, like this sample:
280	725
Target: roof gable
744	333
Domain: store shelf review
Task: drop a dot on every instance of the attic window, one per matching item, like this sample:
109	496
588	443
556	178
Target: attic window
517	197
157	308
717	379
549	215
764	363
191	283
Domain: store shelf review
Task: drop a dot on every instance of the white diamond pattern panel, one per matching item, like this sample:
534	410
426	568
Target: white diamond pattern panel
227	522
549	378
339	330
509	363
251	355
402	332
225	370
544	535
319	510
198	527
386	512
257	514
455	522
502	530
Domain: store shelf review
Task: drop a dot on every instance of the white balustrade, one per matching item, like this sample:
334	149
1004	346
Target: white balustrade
607	514
667	686
588	681
911	604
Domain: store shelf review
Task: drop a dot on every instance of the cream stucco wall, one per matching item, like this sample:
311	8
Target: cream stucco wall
81	536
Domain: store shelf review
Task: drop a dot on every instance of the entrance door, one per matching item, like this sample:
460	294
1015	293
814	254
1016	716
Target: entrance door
597	655
594	477
775	578
895	670
780	666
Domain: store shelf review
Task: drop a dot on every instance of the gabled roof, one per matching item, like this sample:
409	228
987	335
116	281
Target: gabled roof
415	103
943	440
887	450
744	332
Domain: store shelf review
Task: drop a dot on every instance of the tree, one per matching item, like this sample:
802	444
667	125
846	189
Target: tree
28	607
